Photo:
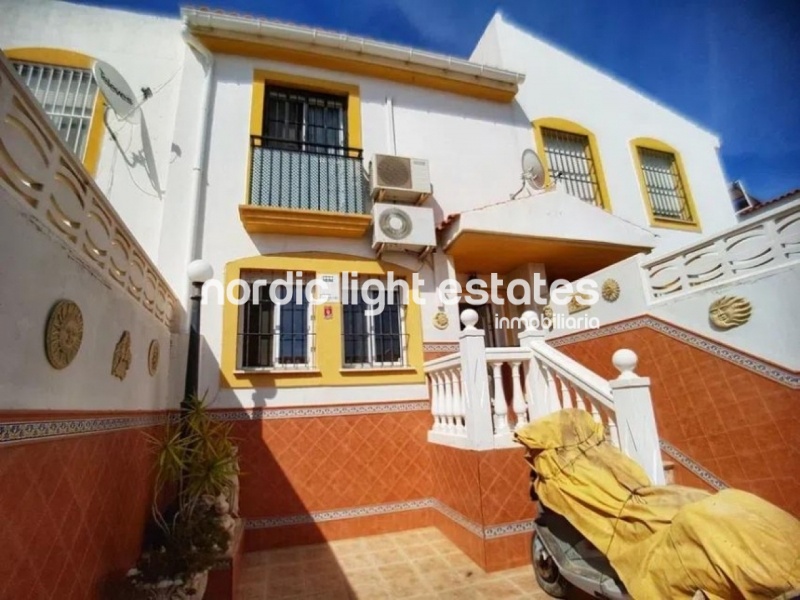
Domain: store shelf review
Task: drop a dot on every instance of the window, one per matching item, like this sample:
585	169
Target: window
663	184
570	159
373	340
275	334
67	95
305	121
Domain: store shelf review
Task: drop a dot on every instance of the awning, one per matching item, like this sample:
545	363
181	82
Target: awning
569	236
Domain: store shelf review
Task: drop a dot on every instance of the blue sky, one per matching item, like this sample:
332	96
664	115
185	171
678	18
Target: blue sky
733	66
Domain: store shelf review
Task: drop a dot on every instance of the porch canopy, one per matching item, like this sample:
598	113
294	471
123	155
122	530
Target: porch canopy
569	236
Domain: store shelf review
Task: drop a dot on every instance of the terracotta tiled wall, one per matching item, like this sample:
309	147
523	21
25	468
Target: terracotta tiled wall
294	466
73	514
737	424
505	487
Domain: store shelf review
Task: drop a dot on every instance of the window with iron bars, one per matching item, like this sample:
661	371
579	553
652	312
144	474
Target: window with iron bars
666	192
67	95
274	335
570	160
373	340
305	121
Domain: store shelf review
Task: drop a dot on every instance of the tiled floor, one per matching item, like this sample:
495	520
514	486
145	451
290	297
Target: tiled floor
416	564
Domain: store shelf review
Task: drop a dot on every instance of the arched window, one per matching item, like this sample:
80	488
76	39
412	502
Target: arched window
569	152
664	185
63	84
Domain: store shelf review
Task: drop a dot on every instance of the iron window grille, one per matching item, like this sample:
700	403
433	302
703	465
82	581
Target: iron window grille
665	188
373	340
67	96
274	335
569	159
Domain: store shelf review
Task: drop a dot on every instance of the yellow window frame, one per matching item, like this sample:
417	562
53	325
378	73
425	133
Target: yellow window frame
58	57
647	143
560	124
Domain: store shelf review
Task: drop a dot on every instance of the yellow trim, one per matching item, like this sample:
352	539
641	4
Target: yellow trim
288	221
67	58
654	144
353	93
351	62
328	340
572	127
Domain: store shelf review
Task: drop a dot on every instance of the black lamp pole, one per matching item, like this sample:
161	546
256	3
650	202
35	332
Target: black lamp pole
193	358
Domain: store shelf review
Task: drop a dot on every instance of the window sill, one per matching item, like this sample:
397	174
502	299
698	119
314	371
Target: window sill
369	370
273	371
670	224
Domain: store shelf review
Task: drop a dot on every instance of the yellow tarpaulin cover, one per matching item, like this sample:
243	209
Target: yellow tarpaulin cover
663	541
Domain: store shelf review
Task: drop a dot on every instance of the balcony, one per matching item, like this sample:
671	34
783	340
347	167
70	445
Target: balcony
306	189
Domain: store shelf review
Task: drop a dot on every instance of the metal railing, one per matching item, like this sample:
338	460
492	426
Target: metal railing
307	176
374	350
277	350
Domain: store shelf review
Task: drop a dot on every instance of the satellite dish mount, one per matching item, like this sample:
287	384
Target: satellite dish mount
533	174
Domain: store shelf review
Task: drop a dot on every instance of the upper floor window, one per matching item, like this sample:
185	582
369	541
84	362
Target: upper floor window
664	185
67	95
373	332
571	159
305	121
275	334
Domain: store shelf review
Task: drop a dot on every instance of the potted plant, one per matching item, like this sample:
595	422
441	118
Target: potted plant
196	463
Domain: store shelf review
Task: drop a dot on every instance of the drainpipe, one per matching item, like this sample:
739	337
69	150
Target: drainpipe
196	189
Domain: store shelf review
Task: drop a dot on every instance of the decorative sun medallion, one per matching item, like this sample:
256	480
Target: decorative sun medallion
578	302
610	290
63	333
153	354
122	356
440	320
729	312
547	312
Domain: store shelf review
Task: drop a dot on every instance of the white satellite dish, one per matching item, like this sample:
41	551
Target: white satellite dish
116	91
532	169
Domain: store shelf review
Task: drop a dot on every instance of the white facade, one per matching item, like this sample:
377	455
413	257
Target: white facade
559	85
473	147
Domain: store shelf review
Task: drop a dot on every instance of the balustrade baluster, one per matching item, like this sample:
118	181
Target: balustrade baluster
436	402
499	400
458	402
566	396
449	413
518	400
553	401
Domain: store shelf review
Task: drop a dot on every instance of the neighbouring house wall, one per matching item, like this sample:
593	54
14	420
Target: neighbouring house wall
734	423
559	85
147	50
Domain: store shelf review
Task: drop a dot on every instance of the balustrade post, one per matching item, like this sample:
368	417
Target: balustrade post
636	422
535	382
475	390
518	400
449	409
436	402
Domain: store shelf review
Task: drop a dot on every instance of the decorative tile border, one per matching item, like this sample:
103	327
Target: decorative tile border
30	431
783	376
265	414
490	532
441	347
694	467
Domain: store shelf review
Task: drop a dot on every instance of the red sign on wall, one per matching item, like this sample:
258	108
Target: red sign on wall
327	311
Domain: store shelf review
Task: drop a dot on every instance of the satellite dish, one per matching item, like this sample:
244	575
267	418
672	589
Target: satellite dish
532	169
116	91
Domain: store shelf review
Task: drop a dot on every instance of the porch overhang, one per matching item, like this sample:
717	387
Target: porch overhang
570	237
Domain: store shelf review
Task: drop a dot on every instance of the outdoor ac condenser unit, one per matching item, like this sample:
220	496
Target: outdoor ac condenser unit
403	228
399	179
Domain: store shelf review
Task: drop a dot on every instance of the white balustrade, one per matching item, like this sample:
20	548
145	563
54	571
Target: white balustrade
760	244
470	403
53	189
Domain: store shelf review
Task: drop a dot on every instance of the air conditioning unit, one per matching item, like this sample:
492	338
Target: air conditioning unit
399	179
403	228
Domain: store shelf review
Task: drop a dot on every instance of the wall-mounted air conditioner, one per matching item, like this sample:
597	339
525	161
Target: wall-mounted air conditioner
403	228
399	179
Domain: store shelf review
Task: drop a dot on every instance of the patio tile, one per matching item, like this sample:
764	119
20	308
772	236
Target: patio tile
411	565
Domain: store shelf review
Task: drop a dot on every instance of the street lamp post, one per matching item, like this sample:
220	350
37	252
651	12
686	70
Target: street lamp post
199	271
